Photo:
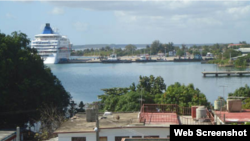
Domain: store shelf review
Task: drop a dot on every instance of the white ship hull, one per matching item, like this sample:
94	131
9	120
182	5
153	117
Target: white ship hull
55	57
51	46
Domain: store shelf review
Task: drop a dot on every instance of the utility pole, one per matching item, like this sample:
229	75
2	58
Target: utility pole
18	134
165	53
141	97
97	122
223	90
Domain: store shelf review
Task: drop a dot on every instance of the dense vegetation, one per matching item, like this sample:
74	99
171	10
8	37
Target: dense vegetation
151	90
185	96
153	49
221	52
243	92
27	86
224	54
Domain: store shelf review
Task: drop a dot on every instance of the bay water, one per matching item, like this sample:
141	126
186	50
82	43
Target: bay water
85	80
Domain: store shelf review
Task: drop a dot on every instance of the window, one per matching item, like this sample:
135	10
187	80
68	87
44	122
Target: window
78	139
120	138
103	138
136	136
151	136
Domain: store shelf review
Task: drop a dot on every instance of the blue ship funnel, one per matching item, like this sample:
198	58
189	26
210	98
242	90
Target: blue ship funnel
47	29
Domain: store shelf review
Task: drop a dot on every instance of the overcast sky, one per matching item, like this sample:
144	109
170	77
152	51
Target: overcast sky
135	22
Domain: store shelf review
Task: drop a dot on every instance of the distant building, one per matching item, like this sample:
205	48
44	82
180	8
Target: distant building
187	54
161	54
231	45
172	53
234	58
243	50
209	55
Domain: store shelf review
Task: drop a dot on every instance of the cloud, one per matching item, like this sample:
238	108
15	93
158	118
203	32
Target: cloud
79	26
23	1
57	11
239	10
168	13
205	21
10	16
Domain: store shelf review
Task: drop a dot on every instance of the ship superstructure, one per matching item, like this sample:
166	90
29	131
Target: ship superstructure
51	46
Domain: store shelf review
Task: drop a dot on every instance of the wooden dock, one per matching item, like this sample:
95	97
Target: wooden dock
228	73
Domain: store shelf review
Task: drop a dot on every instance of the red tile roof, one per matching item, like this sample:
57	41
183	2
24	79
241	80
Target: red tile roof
235	44
170	118
235	116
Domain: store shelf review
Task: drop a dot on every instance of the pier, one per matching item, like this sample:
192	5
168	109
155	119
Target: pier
228	73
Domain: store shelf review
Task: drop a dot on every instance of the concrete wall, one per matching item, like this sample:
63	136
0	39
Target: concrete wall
147	140
112	133
217	120
67	137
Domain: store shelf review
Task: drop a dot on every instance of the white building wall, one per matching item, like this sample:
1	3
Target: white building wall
68	136
112	133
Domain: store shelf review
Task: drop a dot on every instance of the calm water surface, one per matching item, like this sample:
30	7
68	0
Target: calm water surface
85	81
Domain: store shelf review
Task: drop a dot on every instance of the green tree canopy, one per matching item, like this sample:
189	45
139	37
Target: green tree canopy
155	47
184	96
72	108
241	92
25	83
180	52
151	84
130	48
246	104
148	91
81	106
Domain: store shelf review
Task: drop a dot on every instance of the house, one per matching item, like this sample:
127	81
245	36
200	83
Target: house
110	129
209	55
172	53
231	113
153	121
243	50
187	54
232	45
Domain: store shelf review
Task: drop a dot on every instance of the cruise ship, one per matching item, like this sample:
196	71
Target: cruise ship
51	46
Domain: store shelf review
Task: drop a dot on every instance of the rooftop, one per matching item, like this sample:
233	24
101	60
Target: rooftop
145	139
243	49
243	116
127	120
235	45
4	134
